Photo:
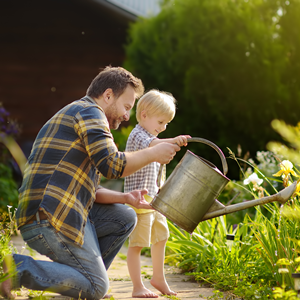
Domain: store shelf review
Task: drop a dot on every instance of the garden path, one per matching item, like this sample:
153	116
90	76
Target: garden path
120	284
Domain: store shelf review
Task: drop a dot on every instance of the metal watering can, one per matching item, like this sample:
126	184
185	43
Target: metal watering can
189	195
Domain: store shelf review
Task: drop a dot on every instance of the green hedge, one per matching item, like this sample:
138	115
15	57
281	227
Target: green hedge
233	66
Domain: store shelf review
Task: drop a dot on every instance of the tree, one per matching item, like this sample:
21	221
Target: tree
227	62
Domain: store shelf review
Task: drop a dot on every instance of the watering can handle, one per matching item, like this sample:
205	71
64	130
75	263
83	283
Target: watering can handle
214	146
203	141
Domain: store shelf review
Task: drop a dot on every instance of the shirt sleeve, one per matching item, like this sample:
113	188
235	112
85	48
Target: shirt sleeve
138	141
93	130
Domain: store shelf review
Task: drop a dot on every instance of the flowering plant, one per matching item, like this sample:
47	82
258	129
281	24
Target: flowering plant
8	126
286	170
9	130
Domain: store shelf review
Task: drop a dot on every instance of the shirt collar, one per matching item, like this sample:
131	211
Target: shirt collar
138	126
86	97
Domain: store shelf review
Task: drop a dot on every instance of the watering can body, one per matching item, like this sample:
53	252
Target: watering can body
189	194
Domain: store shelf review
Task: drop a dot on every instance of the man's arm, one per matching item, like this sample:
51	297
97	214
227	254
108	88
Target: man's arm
134	198
162	153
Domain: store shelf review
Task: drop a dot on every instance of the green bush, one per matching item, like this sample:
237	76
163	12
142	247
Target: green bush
233	66
8	188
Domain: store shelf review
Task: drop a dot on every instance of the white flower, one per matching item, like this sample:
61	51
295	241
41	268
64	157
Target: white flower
287	164
283	270
253	178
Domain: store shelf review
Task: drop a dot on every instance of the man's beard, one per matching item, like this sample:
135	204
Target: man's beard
112	116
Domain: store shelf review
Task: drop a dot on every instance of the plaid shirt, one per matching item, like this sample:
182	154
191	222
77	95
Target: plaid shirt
63	169
146	177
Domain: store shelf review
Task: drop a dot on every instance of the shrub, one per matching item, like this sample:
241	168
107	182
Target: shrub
233	66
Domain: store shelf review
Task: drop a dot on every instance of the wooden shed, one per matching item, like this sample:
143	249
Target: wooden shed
50	50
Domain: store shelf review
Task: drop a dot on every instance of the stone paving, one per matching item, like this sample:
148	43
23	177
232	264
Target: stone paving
120	284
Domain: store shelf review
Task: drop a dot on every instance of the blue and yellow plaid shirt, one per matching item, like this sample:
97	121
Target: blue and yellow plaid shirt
69	155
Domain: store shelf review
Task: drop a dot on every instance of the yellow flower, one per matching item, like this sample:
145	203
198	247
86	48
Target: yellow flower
297	191
286	168
283	261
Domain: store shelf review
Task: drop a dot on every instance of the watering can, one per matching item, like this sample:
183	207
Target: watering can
189	195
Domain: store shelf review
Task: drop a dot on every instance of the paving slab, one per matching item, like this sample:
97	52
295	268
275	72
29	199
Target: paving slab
120	283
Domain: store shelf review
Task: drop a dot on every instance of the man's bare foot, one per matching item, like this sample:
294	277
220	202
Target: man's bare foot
143	293
6	286
162	286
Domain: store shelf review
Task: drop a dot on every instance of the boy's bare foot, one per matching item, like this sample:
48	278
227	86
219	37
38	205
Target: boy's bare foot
143	293
162	286
6	286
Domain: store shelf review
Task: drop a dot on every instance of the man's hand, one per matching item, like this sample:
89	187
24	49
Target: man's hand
164	152
137	200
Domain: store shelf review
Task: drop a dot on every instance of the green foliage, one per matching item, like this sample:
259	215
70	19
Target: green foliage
121	135
266	247
291	134
251	267
236	191
233	66
9	129
209	259
7	229
8	188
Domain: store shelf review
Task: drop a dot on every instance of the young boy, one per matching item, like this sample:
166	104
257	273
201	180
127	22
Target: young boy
154	111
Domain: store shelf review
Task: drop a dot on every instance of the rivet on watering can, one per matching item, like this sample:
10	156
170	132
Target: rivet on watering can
230	240
296	277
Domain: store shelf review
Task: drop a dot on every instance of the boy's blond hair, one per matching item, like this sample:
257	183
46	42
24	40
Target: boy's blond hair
156	102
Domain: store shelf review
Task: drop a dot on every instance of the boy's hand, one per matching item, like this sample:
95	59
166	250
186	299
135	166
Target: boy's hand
137	200
181	140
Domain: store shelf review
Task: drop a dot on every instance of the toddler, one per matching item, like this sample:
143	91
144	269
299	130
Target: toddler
154	111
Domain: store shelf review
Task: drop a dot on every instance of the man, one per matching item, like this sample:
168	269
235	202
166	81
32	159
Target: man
58	214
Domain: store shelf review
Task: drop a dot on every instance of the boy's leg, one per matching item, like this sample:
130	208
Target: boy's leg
158	279
76	271
159	237
139	238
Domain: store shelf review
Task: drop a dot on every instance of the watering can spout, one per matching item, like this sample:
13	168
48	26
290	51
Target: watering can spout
218	209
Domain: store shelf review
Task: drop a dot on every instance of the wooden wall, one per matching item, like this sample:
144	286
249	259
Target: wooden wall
50	50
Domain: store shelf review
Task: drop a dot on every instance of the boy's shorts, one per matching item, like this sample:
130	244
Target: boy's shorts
151	227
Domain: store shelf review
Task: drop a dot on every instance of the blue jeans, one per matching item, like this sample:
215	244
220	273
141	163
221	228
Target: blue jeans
75	271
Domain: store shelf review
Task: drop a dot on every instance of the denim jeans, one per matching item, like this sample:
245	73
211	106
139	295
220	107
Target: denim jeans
75	271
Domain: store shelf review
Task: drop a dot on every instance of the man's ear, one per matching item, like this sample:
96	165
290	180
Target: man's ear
108	95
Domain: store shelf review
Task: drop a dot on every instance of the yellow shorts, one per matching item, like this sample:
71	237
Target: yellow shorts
151	227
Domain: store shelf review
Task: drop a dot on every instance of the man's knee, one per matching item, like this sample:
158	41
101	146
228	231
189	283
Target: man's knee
131	218
101	288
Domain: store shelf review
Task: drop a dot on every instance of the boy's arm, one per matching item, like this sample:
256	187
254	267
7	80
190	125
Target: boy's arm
180	140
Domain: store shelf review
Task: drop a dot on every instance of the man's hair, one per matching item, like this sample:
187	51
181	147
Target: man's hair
156	102
117	79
